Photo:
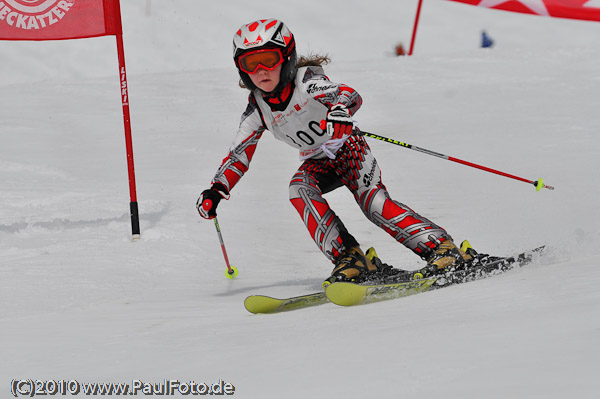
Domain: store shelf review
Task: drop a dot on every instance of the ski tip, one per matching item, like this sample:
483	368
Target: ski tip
346	294
539	249
266	304
261	304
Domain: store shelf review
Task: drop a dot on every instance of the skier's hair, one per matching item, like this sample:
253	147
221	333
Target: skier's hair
313	60
304	61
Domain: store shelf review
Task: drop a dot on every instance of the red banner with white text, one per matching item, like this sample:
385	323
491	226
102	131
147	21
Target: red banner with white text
573	9
75	19
58	19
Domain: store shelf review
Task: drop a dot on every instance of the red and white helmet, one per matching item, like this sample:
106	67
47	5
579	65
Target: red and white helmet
266	34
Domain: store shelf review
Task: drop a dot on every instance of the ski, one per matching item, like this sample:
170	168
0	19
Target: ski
266	304
350	294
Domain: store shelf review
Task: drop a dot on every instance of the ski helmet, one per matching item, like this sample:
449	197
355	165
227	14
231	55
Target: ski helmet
266	34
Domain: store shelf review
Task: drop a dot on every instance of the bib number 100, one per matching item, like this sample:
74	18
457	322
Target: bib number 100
305	137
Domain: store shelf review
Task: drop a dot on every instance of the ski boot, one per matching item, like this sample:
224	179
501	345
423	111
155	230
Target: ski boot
356	267
350	266
446	258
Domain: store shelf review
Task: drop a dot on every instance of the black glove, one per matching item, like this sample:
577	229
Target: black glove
338	123
209	200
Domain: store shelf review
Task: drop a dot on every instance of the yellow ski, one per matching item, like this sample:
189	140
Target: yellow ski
267	304
349	294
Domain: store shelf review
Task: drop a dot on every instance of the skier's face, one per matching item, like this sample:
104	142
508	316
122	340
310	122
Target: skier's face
266	80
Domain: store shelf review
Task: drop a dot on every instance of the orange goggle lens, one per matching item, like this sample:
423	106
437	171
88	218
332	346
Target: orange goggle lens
267	59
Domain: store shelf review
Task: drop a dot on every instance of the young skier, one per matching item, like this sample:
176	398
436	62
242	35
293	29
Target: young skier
295	101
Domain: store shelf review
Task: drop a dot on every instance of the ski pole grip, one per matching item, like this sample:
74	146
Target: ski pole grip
206	205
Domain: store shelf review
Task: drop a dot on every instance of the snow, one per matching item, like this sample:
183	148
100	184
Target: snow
79	300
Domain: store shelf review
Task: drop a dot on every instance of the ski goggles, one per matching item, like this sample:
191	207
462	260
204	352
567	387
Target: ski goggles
268	59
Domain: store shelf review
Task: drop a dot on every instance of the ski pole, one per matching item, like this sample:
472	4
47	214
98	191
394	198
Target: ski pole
539	184
231	271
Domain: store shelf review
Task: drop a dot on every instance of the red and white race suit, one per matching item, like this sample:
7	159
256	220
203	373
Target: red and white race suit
327	164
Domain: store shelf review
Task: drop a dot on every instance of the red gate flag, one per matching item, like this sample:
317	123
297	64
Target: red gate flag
574	9
58	19
75	19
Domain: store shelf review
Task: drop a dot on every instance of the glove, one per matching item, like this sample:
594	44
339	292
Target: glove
209	200
338	123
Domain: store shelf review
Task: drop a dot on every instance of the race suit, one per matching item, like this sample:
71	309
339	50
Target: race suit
326	165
